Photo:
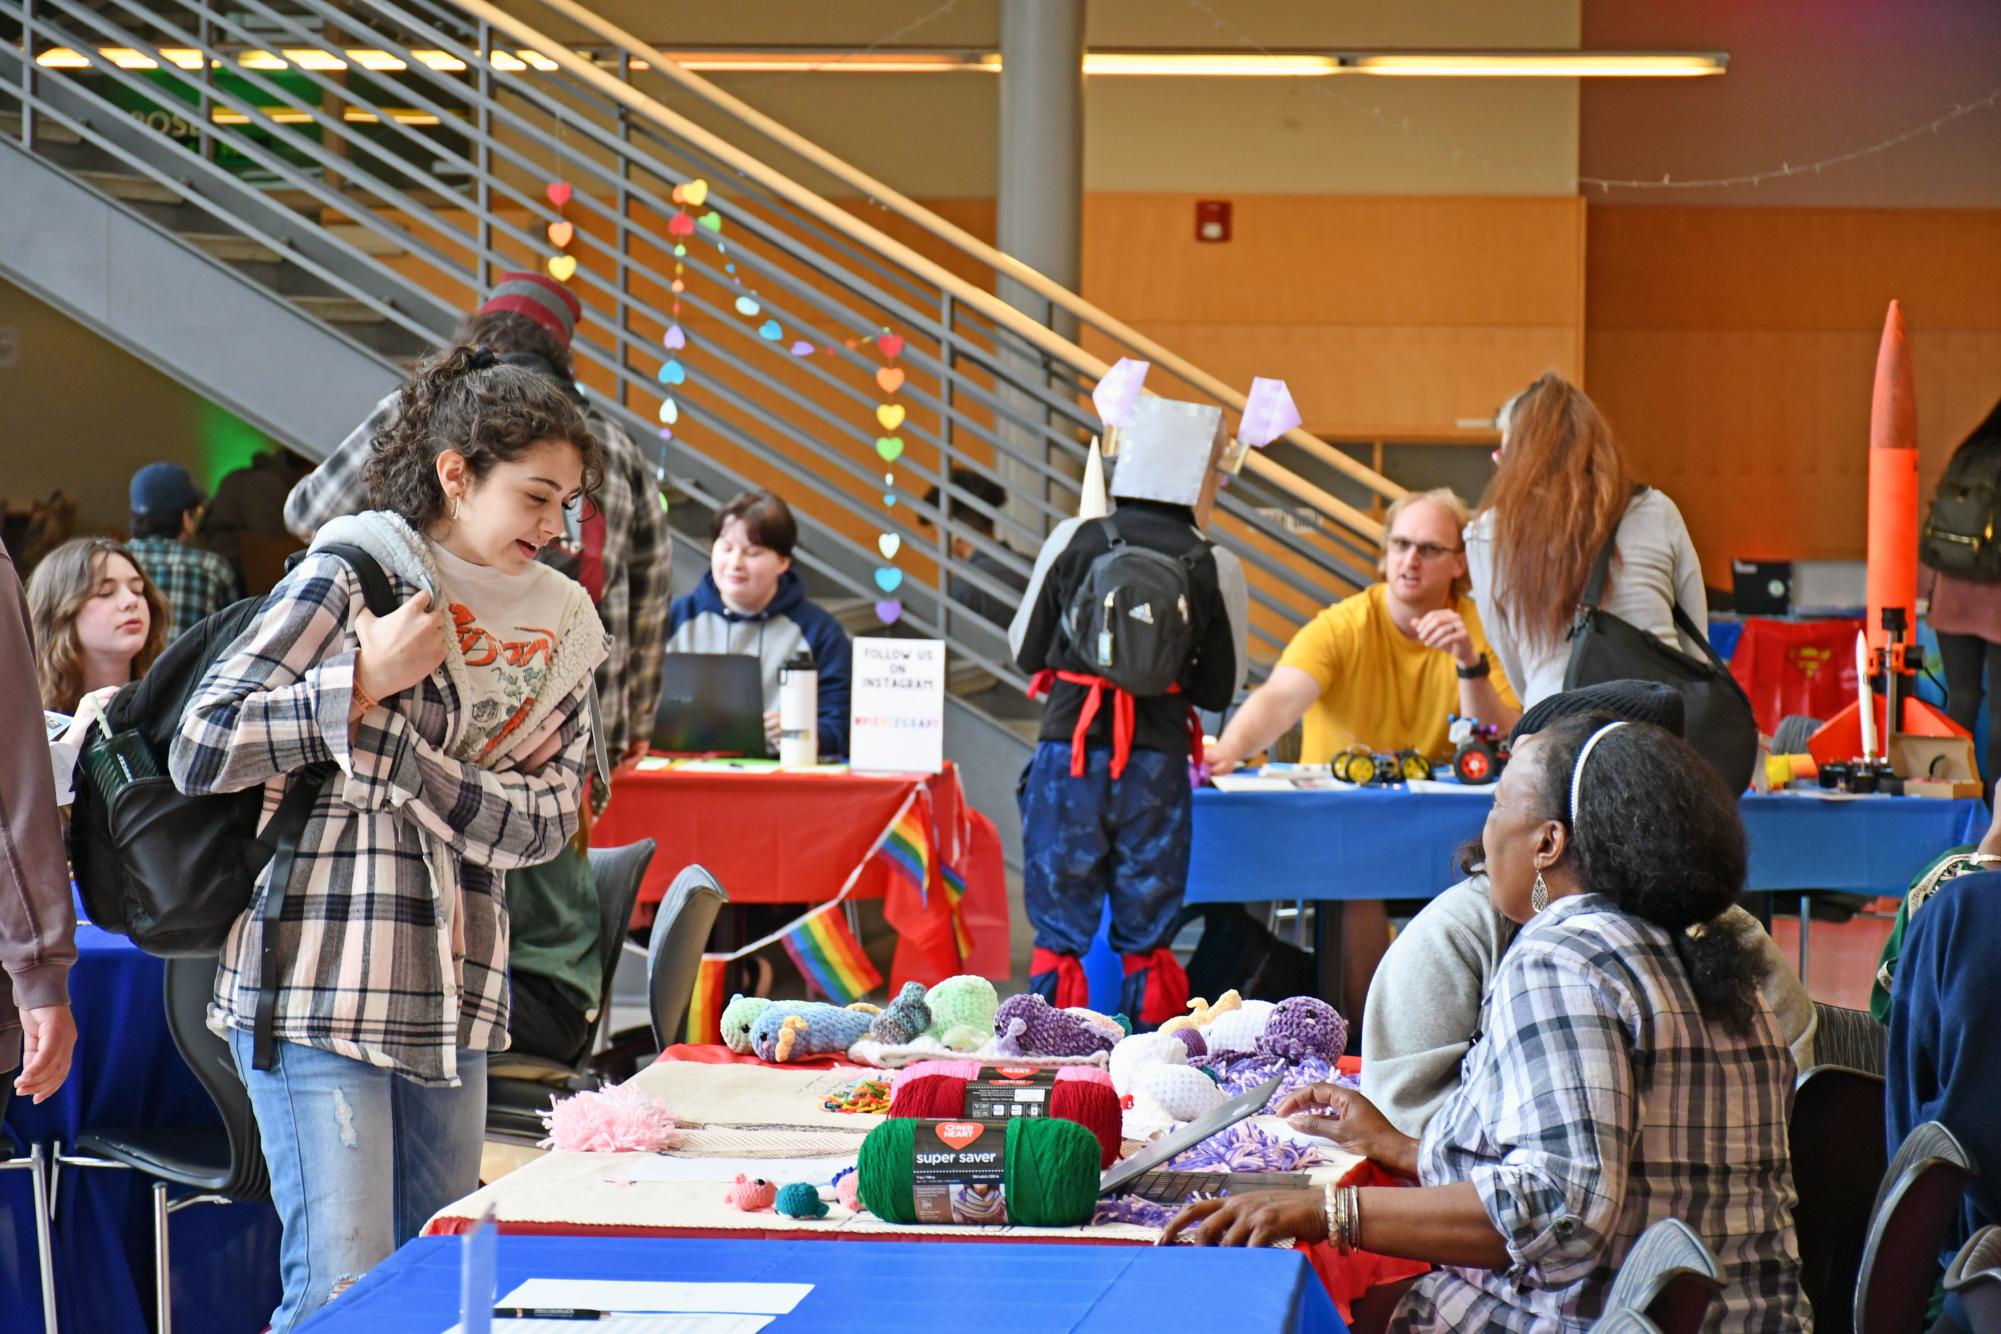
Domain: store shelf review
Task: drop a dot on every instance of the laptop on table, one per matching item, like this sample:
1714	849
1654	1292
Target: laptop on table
711	705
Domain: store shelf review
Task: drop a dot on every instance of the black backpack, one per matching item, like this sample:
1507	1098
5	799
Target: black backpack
170	871
1129	620
1959	535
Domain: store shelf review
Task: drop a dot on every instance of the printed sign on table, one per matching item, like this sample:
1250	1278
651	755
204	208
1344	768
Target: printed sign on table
896	721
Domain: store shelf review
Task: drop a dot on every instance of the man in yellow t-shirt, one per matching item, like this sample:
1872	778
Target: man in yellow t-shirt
1384	668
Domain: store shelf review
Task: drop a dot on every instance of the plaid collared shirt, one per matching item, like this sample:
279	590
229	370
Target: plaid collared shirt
638	553
194	582
1598	1102
370	969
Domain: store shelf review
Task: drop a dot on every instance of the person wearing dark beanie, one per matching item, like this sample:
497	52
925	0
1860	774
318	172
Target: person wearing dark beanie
1423	1008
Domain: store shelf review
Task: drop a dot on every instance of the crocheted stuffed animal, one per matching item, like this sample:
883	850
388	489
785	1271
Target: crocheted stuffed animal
738	1016
794	1031
962	1002
1178	1092
1201	1012
906	1017
750	1194
1028	1025
1141	1051
1191	1038
1238	1031
1303	1027
799	1200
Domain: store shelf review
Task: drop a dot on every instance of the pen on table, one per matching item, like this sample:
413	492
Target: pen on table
546	1313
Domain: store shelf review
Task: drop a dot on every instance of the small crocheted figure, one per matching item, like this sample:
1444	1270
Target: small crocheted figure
848	1190
751	1194
1141	1051
1030	1026
799	1200
1181	1092
1193	1040
738	1016
1239	1030
1304	1027
965	1001
906	1017
794	1032
1201	1012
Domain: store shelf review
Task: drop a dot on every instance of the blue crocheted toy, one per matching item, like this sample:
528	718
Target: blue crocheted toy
799	1200
738	1016
906	1017
796	1030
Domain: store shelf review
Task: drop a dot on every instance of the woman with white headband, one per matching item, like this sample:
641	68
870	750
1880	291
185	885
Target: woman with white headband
1629	1070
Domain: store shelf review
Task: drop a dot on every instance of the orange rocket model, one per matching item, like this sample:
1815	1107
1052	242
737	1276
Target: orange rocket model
1893	568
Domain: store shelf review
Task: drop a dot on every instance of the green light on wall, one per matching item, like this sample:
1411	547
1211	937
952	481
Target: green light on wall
228	443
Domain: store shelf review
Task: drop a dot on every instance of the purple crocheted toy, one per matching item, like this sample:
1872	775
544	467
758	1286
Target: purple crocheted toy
1197	1045
1304	1027
1030	1026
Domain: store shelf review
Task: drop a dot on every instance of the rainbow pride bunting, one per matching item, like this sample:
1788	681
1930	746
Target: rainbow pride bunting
908	849
955	890
705	1004
829	957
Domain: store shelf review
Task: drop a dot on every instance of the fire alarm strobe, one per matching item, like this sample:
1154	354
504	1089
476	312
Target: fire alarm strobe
1212	220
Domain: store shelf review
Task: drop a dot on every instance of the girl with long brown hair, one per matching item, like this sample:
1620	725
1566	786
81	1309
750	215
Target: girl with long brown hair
1562	491
99	621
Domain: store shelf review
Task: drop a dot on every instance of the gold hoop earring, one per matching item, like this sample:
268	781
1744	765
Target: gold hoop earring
1539	896
455	507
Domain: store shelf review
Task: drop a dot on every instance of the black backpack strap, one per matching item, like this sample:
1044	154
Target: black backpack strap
288	826
1594	587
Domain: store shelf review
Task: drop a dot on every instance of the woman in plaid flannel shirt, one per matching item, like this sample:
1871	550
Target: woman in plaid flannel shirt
1629	1069
391	950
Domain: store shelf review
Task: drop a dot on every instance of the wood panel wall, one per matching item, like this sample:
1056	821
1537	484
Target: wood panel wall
1733	350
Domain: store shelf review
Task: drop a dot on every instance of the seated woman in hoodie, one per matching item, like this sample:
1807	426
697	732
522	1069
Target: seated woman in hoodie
752	602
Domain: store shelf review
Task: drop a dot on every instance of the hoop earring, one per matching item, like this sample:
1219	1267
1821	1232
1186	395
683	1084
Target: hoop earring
1539	896
455	508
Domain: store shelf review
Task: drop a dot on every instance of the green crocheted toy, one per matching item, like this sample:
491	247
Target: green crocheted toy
962	1011
738	1017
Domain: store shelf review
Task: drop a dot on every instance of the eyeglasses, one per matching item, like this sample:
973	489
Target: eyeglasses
1403	546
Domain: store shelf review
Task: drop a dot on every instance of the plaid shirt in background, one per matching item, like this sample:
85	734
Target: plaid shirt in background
195	583
638	552
1596	1103
370	970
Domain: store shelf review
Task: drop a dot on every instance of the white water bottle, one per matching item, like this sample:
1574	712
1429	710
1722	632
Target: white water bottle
799	712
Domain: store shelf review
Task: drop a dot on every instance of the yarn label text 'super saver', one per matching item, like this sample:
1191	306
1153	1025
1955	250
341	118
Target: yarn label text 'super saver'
1011	1091
957	1173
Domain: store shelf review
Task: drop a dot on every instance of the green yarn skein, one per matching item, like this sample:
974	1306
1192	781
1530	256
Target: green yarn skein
1051	1178
965	1001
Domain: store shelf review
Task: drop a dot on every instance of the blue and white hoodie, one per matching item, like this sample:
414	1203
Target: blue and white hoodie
702	624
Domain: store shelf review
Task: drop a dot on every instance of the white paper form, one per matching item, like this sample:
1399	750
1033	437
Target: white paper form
593	1294
633	1324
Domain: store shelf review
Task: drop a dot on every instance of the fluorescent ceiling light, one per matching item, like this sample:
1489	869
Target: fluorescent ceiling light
1543	64
306	57
380	61
1198	64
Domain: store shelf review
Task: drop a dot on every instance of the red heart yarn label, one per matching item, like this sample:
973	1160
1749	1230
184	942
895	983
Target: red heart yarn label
558	192
1015	1071
959	1134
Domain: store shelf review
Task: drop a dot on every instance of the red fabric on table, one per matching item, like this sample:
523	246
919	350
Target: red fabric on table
1349	1276
1790	667
714	1053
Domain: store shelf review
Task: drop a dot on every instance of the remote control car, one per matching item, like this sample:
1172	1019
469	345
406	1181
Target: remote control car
1480	752
1361	765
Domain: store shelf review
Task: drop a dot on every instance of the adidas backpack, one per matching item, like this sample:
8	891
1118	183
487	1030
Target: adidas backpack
171	871
1959	535
1129	620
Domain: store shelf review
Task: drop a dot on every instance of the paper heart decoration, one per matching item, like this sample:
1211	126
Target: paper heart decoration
666	434
890	378
680	194
889	345
675	339
890	447
888	611
802	348
560	233
680	252
712	220
889	500
888	578
696	192
891	415
769	331
746	305
889	544
558	192
562	267
678	285
1268	413
673	372
670	411
680	225
1118	389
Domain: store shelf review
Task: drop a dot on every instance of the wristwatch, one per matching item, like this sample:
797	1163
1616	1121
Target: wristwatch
1476	671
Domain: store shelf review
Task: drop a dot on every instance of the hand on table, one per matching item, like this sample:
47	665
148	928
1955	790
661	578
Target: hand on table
1220	758
1255	1218
1353	1123
48	1037
1446	631
632	755
771	730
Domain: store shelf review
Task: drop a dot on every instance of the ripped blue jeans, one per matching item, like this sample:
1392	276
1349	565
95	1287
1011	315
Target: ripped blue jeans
360	1159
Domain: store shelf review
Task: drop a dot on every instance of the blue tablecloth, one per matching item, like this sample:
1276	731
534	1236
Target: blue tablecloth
126	1073
1379	843
879	1287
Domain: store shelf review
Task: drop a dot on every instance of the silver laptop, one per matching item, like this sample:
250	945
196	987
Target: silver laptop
1142	1173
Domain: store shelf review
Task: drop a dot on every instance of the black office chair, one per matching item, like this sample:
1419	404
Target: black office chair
1909	1226
36	1164
1974	1276
1839	1160
520	1087
221	1163
1669	1277
673	962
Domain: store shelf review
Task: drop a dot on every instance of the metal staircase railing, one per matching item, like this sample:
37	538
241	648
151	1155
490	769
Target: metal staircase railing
380	161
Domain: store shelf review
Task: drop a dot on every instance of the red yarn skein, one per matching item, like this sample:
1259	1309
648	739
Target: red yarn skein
1091	1104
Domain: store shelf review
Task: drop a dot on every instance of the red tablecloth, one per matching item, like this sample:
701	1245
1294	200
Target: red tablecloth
1790	667
773	837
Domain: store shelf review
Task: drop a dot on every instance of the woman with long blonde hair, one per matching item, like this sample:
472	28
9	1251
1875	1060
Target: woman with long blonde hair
99	621
1563	489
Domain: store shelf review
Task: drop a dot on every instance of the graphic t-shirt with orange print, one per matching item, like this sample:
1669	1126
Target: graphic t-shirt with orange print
504	624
